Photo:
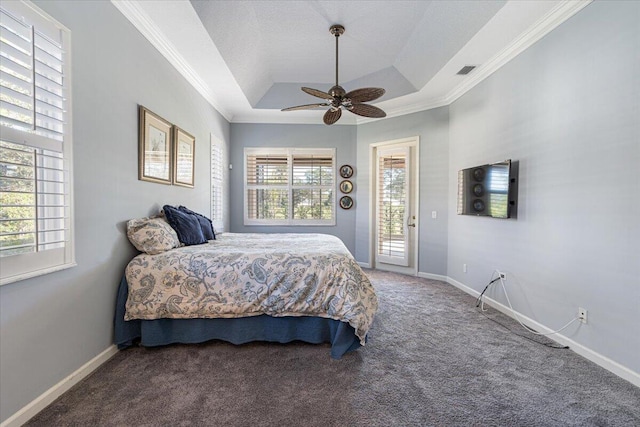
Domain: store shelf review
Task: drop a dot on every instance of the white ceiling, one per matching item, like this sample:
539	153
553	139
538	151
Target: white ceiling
249	58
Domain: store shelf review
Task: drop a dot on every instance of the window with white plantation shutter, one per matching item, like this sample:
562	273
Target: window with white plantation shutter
313	186
217	179
289	186
35	144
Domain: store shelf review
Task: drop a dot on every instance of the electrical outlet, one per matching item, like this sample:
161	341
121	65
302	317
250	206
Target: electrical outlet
582	314
464	268
502	275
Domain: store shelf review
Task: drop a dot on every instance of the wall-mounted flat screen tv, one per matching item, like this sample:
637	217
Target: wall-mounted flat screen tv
488	190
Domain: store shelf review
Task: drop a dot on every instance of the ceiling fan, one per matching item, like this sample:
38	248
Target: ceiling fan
337	98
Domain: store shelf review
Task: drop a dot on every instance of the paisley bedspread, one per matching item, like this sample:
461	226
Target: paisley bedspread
241	275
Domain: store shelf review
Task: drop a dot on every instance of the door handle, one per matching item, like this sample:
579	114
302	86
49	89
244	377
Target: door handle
411	225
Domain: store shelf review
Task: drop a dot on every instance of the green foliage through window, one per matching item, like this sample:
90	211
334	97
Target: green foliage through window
287	186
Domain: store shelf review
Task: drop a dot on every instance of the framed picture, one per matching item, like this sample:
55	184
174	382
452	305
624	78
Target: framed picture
346	202
346	186
154	147
346	171
184	146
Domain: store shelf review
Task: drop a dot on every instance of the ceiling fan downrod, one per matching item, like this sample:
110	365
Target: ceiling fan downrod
337	90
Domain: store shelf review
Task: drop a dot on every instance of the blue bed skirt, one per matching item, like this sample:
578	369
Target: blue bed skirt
152	333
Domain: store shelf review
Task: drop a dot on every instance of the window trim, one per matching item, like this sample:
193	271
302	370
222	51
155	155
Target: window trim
11	268
289	152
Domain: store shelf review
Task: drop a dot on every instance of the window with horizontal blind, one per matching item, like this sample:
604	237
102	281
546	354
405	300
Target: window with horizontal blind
35	144
289	186
217	179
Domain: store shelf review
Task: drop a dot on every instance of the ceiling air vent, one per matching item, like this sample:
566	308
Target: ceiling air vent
466	70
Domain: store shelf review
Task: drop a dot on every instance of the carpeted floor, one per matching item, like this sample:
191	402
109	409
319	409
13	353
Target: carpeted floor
432	360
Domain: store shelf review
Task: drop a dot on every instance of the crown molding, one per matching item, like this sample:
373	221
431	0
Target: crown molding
278	117
429	104
556	16
143	23
269	121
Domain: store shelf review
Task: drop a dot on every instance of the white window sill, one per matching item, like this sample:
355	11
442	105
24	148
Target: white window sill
289	224
36	273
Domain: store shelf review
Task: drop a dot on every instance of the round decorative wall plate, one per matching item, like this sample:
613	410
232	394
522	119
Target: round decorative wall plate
346	171
346	186
346	202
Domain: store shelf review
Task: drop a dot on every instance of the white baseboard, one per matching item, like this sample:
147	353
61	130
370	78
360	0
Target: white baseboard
46	398
597	358
364	264
432	276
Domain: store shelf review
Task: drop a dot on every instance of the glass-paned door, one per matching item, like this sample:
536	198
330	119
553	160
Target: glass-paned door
393	206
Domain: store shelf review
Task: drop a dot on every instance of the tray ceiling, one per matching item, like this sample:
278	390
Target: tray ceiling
249	58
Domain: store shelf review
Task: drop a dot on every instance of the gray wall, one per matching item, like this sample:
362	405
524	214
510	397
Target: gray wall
568	109
53	324
340	137
432	126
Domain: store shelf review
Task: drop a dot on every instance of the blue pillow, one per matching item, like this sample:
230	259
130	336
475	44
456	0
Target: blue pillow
205	223
186	225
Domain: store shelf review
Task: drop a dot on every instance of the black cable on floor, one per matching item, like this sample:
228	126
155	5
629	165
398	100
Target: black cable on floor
479	301
563	347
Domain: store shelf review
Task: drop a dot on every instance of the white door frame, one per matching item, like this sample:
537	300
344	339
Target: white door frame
413	142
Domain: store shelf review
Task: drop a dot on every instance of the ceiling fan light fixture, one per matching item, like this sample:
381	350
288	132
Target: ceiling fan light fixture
338	98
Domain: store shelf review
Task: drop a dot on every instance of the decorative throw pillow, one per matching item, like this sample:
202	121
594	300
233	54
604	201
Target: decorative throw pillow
186	226
152	235
205	223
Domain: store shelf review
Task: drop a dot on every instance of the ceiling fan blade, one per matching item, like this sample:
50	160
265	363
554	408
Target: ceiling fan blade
305	107
365	94
367	110
332	116
318	93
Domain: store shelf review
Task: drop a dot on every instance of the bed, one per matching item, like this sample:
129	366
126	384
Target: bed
247	287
